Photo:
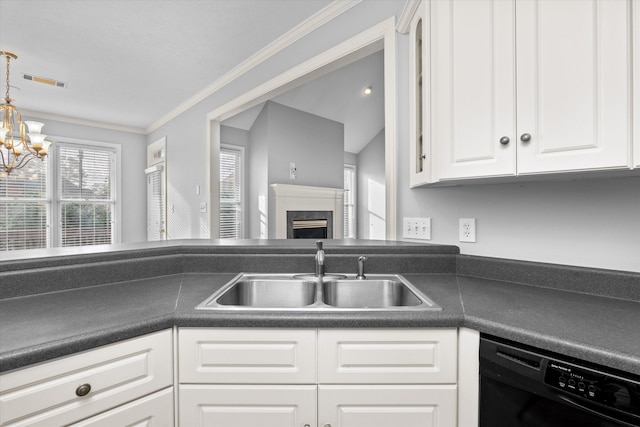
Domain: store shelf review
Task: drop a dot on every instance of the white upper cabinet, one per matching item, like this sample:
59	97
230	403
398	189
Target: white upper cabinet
529	87
636	81
473	88
421	159
573	85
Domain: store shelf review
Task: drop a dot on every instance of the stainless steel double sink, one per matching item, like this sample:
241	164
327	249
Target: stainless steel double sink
301	292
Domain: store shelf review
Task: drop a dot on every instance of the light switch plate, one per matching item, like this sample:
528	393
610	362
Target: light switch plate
416	228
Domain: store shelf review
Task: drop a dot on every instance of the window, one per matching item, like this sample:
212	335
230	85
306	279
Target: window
69	199
86	196
231	170
349	202
24	208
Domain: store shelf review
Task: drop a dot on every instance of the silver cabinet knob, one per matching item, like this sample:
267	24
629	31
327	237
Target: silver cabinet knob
504	140
83	390
525	137
307	425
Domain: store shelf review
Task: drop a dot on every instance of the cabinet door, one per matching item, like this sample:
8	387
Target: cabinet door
573	86
635	25
420	156
247	406
389	356
155	410
384	406
76	387
473	88
247	356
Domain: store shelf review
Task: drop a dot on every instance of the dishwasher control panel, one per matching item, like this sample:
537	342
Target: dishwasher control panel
609	390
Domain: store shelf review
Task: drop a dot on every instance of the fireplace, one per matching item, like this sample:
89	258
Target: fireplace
309	224
312	207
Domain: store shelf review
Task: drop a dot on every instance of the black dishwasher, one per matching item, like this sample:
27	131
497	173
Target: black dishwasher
522	386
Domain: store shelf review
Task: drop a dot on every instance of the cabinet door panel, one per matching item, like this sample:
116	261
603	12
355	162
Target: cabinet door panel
473	87
45	394
387	356
384	406
247	406
573	84
635	25
155	410
254	356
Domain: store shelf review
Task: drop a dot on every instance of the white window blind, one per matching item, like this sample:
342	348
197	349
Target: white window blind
86	180
349	202
24	207
156	206
230	193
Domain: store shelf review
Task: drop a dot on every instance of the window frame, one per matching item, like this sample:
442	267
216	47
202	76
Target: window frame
354	219
55	191
243	212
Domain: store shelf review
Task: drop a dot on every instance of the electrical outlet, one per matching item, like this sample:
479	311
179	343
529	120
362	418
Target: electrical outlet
468	230
292	171
416	228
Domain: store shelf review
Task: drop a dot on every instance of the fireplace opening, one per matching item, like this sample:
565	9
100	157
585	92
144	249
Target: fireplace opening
309	224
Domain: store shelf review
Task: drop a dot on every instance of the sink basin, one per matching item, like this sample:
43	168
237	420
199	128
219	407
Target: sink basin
265	292
302	292
368	294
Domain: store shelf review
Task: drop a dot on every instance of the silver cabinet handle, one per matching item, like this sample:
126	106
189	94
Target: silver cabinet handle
525	137
83	390
504	140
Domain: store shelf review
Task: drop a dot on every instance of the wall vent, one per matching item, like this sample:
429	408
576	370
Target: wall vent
44	80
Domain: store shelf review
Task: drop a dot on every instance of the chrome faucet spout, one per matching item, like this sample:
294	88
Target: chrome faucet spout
319	259
361	261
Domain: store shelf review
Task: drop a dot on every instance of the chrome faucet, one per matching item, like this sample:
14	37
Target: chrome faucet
319	259
361	261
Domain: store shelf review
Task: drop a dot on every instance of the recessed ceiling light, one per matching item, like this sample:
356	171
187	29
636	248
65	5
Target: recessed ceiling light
367	90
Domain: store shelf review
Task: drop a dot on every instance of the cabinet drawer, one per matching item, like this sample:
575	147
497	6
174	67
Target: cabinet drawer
247	405
420	356
155	410
256	356
46	394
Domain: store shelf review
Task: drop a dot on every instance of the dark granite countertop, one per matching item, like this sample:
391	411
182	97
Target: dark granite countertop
595	328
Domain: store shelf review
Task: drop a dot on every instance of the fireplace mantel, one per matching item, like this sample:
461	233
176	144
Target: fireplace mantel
306	198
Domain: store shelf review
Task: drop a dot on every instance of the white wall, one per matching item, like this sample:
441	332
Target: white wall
371	180
587	223
134	157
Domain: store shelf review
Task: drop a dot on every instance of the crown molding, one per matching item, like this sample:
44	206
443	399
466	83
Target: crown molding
84	122
410	9
317	20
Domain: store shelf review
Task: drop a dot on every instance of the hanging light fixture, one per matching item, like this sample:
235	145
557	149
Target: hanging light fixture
17	151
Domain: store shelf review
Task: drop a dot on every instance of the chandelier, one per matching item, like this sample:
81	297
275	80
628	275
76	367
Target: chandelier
16	150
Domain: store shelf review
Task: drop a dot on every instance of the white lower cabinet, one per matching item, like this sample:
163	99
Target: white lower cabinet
364	377
387	405
247	405
77	387
155	410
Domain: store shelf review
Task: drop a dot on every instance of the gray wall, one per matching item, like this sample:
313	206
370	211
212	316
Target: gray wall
313	143
258	191
134	157
370	170
587	222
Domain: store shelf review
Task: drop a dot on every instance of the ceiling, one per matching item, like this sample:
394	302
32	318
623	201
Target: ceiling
131	62
337	96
